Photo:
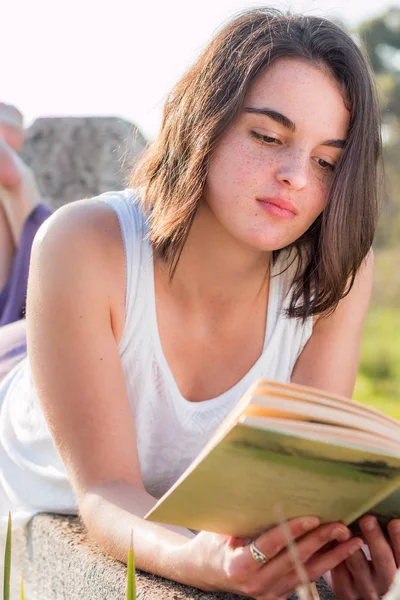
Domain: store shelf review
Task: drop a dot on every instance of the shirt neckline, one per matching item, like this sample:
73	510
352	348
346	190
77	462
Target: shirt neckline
246	379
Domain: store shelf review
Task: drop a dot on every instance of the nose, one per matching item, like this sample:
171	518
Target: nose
292	170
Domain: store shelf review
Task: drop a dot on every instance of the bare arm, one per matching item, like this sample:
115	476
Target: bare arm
330	359
77	264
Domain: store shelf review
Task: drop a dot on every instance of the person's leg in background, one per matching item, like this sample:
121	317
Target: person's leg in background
19	194
21	216
12	126
7	249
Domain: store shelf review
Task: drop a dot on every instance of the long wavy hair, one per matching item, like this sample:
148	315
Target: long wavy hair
172	172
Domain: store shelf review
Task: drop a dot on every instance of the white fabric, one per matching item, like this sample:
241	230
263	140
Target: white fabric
170	430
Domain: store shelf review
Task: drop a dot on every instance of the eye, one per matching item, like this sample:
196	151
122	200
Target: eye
324	164
265	138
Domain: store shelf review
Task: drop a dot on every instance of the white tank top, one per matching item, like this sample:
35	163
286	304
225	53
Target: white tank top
170	429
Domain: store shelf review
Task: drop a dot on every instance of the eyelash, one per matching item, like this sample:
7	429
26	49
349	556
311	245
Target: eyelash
270	140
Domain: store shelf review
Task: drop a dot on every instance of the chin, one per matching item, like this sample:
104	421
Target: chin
262	237
264	243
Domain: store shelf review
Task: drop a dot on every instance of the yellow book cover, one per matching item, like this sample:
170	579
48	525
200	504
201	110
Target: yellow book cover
253	472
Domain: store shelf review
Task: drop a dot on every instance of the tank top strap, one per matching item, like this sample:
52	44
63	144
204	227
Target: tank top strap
133	230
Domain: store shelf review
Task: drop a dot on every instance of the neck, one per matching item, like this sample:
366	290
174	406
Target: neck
214	267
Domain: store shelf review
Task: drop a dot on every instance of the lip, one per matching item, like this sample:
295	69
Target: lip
278	207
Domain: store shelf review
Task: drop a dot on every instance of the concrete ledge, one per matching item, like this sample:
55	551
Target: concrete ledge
59	562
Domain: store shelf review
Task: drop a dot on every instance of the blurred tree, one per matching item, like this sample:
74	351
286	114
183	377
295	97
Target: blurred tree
379	381
380	38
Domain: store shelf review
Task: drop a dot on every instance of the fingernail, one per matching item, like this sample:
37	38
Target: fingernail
355	548
369	524
310	523
340	534
394	526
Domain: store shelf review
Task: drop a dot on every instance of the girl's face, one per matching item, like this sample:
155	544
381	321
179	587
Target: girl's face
269	176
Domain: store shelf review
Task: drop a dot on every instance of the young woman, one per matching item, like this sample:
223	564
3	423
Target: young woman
241	249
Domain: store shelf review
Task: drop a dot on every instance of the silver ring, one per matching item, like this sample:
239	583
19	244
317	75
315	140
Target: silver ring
258	556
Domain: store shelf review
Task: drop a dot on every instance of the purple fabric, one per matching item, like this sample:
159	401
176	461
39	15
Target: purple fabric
13	295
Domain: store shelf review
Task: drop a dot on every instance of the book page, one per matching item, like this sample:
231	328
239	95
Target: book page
292	409
314	396
323	432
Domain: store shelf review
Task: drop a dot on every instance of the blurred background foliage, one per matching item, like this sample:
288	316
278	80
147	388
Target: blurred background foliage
378	382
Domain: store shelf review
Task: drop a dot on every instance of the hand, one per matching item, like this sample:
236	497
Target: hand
220	563
361	577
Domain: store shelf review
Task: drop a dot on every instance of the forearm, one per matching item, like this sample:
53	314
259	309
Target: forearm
112	511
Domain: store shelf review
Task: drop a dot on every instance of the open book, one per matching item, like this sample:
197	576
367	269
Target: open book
286	451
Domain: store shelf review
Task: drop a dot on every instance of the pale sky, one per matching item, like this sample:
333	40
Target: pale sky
120	57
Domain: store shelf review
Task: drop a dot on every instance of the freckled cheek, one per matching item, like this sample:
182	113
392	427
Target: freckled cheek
321	193
229	176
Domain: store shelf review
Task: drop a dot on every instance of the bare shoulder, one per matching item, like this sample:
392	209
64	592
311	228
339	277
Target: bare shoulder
84	237
91	220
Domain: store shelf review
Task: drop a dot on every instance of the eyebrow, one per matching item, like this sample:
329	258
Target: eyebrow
288	124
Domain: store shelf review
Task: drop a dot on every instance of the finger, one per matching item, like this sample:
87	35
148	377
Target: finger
272	542
342	582
306	547
316	566
394	533
383	560
361	572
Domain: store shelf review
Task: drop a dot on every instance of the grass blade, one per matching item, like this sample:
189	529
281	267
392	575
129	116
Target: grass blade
7	561
22	592
131	583
307	590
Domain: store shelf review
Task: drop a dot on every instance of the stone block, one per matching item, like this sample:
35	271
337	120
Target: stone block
80	157
59	562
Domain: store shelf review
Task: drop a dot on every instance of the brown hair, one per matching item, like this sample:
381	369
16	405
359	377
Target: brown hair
209	97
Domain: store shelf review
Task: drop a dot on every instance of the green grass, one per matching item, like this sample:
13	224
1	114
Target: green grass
131	582
7	562
378	383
